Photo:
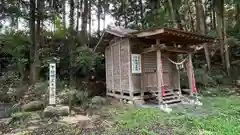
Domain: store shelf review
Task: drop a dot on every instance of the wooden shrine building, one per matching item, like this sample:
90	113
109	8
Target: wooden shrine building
143	62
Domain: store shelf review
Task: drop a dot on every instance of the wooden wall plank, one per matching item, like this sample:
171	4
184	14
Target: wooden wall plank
116	65
120	68
112	59
107	67
130	69
150	61
125	65
142	77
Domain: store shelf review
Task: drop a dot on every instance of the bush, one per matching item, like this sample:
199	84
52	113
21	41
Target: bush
74	96
202	78
20	117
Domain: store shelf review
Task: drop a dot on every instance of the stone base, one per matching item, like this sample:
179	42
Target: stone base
139	102
197	102
193	102
58	110
165	108
81	120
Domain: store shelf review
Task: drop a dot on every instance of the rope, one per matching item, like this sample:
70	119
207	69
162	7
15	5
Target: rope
176	63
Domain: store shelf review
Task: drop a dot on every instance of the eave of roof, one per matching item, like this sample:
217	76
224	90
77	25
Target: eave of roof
166	35
158	33
120	32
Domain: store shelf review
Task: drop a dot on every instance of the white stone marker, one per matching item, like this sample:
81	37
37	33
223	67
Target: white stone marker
52	83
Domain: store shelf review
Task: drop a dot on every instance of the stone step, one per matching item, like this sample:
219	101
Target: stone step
172	101
168	94
170	97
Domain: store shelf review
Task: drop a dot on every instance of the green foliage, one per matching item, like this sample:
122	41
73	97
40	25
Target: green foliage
156	18
16	45
80	97
85	59
212	33
73	96
9	83
16	108
203	78
233	41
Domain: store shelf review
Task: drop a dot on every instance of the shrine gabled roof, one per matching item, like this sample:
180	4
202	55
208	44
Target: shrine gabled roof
120	32
165	35
168	35
174	36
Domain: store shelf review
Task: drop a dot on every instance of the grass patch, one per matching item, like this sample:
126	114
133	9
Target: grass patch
218	116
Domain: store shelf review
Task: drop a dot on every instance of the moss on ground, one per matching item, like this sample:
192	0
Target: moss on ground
218	116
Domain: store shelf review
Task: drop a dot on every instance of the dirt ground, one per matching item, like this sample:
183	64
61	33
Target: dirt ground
82	120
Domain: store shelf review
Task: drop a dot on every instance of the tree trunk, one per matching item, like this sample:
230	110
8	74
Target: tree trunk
33	48
71	45
172	14
84	22
141	11
228	66
178	19
20	69
213	16
106	10
90	22
214	19
99	17
219	27
238	16
78	15
124	9
64	15
104	19
192	26
201	25
38	34
71	15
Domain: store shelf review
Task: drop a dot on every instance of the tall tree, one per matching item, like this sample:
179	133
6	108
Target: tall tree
173	9
219	17
201	26
71	16
84	22
221	30
90	21
33	47
71	44
78	13
105	11
99	11
237	6
64	14
40	6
